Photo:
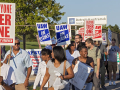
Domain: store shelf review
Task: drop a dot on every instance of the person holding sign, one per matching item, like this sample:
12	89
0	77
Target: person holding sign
71	53
59	64
46	56
21	63
7	78
112	61
84	59
96	58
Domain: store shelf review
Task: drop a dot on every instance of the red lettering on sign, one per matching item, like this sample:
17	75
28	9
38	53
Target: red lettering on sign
2	31
6	32
5	8
1	19
7	19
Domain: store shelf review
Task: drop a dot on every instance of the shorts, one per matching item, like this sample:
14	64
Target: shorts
112	66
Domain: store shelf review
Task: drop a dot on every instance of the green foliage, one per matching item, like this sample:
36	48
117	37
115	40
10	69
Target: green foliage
28	12
112	28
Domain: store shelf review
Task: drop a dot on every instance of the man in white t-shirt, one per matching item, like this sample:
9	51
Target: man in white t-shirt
7	78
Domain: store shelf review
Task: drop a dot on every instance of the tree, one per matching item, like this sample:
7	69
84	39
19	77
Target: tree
28	12
112	28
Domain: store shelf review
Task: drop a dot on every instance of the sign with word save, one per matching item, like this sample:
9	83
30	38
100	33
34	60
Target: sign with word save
43	32
62	34
7	23
35	57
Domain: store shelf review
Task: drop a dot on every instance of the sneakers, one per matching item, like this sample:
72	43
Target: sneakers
114	83
110	83
104	88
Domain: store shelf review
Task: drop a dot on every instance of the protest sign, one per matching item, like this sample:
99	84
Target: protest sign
81	32
89	29
109	35
7	23
99	20
98	33
81	73
35	57
62	34
43	32
104	40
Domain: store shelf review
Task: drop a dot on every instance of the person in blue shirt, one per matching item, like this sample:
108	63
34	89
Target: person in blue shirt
21	63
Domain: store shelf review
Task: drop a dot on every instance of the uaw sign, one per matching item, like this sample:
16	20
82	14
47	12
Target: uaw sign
43	32
62	34
99	20
7	23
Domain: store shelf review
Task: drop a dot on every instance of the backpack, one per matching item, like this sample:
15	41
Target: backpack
101	61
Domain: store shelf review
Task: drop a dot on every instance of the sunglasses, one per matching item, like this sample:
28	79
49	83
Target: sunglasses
17	43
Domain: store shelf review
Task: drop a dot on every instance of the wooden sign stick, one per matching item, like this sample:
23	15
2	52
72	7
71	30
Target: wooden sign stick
10	56
0	60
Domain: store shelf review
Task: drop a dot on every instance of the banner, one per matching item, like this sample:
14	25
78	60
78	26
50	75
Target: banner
109	35
81	32
99	20
104	40
62	34
35	57
7	23
43	32
89	29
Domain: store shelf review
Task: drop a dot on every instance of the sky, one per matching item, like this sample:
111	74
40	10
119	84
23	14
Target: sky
111	8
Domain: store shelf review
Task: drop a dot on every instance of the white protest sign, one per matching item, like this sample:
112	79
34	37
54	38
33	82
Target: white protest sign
89	30
99	20
43	32
62	34
81	73
7	23
104	40
35	57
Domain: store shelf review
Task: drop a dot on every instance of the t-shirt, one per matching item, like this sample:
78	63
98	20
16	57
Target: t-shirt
113	53
52	68
88	61
92	54
8	74
71	57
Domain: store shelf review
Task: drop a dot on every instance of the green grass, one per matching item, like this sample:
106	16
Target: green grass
29	45
31	88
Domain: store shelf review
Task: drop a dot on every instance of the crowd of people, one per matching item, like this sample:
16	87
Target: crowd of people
58	63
